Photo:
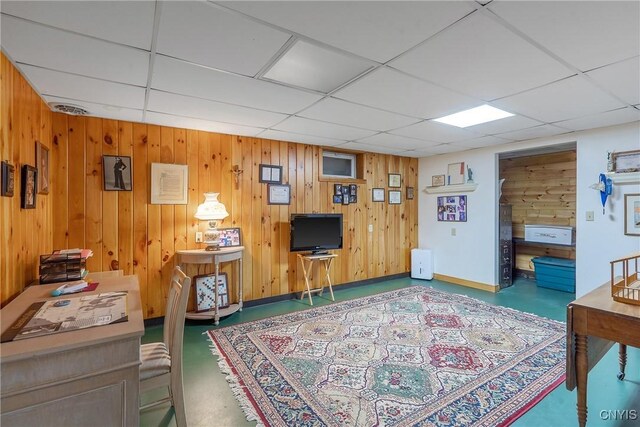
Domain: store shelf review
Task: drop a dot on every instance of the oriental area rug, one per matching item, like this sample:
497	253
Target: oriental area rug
414	356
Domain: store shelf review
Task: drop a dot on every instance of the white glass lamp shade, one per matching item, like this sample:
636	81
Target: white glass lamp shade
211	210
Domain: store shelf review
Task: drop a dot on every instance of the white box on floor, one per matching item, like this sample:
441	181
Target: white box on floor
421	264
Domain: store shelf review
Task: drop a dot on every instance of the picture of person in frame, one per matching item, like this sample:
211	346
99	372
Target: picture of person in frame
118	167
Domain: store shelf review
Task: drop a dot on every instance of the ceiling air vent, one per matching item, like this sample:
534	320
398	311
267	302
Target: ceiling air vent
69	109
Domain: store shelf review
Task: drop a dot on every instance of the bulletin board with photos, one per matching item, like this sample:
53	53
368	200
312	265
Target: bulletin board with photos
205	291
452	208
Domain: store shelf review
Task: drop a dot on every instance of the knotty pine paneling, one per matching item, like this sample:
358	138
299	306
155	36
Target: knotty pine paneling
541	190
25	233
125	231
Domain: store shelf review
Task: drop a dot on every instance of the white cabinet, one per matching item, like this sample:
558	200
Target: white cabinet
421	264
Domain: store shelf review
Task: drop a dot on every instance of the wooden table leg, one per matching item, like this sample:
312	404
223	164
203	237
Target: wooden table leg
306	280
622	359
240	284
327	266
216	316
581	377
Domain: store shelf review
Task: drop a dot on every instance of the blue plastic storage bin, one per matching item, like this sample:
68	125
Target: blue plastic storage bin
555	273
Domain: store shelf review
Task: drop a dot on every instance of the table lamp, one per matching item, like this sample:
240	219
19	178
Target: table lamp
211	210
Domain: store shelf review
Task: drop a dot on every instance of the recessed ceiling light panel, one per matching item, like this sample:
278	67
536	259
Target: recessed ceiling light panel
474	116
313	67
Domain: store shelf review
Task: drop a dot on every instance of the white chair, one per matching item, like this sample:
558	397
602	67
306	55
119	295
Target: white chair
162	361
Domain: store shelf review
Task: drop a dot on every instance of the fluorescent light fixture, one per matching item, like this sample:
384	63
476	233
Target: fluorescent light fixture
474	116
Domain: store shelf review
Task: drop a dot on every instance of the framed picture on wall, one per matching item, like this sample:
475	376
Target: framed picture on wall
8	179
42	164
116	173
437	180
271	174
279	194
626	161
395	180
452	208
410	191
455	173
377	194
169	184
394	197
632	214
29	188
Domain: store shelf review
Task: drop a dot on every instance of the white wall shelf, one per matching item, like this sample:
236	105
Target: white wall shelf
453	188
624	178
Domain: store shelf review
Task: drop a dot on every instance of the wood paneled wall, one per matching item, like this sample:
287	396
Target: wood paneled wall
125	231
541	190
24	233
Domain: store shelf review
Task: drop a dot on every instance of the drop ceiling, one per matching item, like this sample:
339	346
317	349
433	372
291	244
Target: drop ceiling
368	76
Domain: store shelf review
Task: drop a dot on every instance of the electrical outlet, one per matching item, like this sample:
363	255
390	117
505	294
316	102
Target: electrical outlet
453	231
198	236
589	215
370	228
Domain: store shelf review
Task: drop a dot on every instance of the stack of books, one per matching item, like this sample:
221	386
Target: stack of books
64	265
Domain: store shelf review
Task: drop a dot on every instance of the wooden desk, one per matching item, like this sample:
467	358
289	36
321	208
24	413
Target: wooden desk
201	256
76	378
307	262
594	322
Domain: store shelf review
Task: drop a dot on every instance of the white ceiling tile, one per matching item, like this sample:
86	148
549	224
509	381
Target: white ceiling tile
396	142
484	141
181	105
373	148
622	79
55	83
197	124
587	34
316	68
207	35
100	110
534	132
434	131
374	30
38	45
95	18
180	77
439	149
299	138
609	118
346	113
326	130
393	91
479	57
507	124
565	99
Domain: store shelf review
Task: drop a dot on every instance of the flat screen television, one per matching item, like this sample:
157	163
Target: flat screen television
316	232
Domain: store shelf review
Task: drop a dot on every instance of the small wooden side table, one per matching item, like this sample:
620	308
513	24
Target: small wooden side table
307	262
201	256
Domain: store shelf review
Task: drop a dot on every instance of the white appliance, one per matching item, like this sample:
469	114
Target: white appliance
559	235
421	264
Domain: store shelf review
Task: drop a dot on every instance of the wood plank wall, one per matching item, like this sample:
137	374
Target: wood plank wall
541	190
127	232
25	233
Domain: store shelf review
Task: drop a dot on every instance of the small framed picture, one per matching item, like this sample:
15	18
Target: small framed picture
395	180
394	197
116	171
345	199
206	294
279	194
345	190
8	179
229	237
437	180
337	188
377	194
626	161
353	190
353	198
632	214
42	164
410	193
29	187
169	184
337	198
271	174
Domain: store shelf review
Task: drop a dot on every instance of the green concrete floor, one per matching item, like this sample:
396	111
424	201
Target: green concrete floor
209	400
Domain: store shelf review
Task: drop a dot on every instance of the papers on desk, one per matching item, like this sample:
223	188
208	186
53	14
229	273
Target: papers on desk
68	314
